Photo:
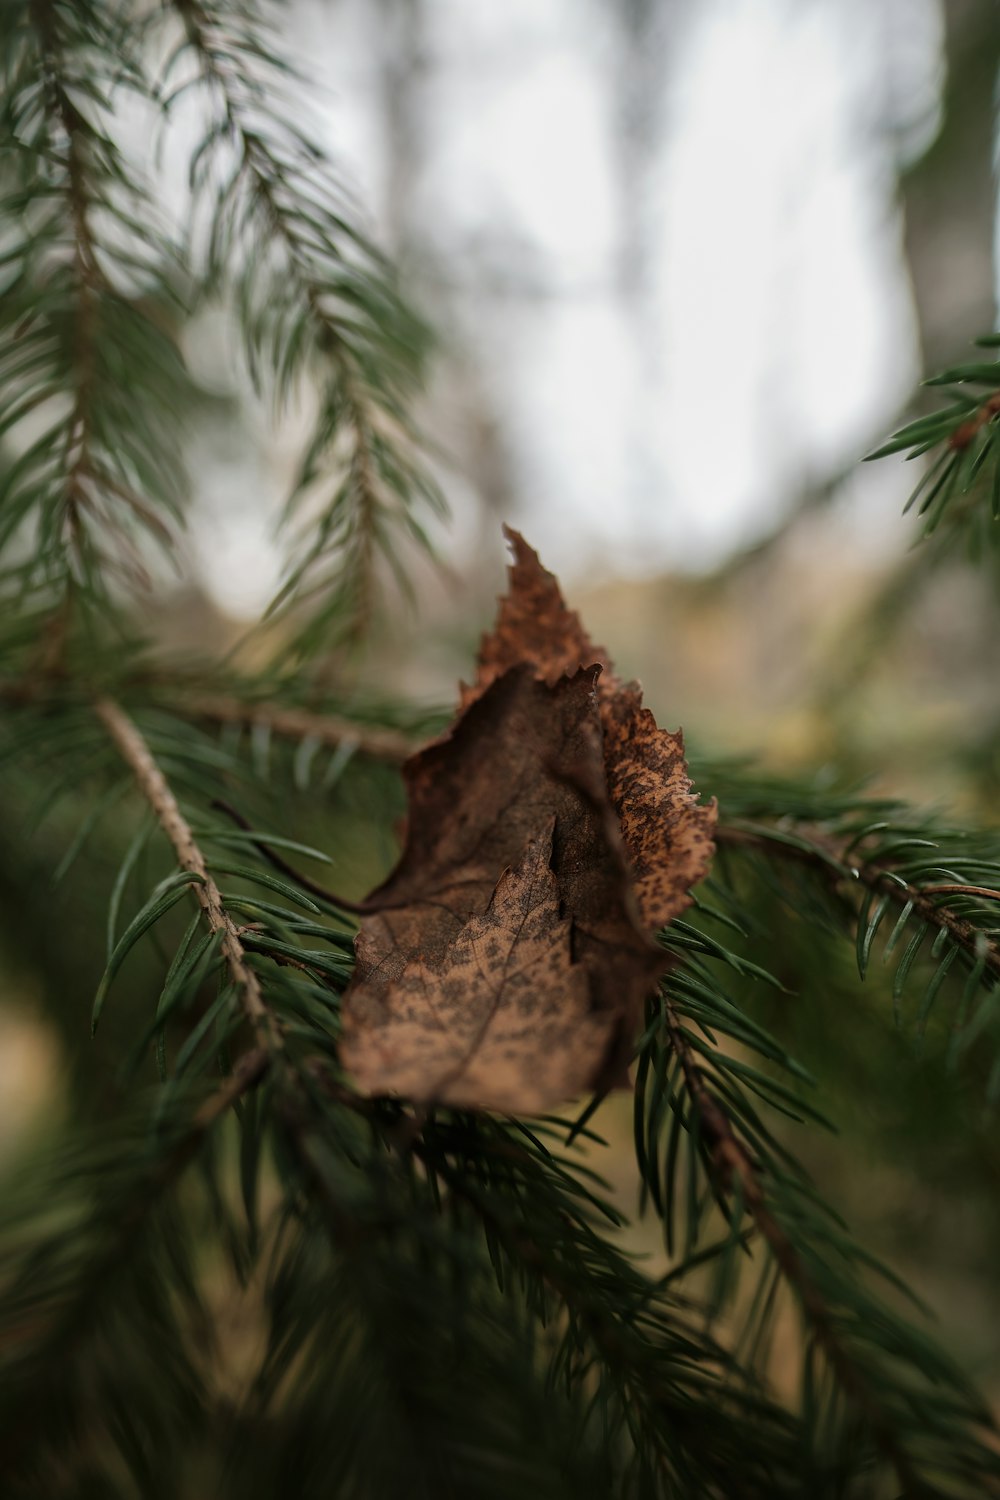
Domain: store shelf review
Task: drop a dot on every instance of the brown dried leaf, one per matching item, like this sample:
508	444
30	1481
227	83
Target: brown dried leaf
667	834
534	625
507	956
524	762
502	1019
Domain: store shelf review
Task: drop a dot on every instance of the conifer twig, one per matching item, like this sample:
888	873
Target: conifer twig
831	859
286	721
364	415
246	1072
23	1412
86	273
153	785
731	1160
299	724
964	435
619	1347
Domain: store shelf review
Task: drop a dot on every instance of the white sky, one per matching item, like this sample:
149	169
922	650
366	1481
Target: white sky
775	335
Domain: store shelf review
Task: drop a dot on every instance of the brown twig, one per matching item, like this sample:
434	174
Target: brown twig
332	730
298	724
260	943
963	436
247	1071
820	853
153	785
23	692
984	892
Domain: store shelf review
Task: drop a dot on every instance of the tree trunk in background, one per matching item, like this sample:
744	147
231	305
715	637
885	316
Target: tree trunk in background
949	195
648	31
402	66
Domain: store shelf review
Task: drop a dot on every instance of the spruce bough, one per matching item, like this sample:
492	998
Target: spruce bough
224	1269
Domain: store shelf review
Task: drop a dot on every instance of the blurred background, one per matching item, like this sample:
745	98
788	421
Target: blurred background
687	261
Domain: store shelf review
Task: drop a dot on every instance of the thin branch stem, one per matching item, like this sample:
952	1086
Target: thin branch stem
154	787
246	1072
299	724
287	722
831	859
963	436
985	892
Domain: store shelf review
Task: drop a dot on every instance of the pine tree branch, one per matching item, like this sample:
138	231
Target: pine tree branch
27	1403
967	432
299	724
731	1161
548	1243
331	282
91	379
619	1348
87	272
264	170
832	860
285	721
153	786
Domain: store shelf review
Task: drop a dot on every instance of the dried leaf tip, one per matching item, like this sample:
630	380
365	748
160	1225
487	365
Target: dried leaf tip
667	833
